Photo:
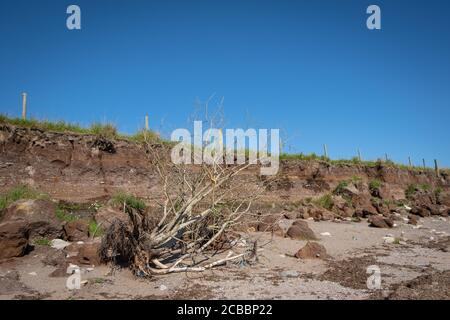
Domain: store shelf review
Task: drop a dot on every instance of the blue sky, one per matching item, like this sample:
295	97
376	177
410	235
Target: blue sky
310	68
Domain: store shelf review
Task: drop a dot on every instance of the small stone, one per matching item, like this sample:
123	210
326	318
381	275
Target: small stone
388	239
59	244
162	287
289	274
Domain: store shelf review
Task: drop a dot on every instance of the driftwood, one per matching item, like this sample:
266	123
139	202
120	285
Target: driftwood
199	206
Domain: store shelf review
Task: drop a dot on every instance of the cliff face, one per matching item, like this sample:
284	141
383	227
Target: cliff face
85	167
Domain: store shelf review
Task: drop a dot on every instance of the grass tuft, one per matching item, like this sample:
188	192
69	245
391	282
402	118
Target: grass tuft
18	192
43	242
325	201
131	201
95	230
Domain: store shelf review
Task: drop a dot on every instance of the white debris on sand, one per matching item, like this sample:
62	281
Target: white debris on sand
59	244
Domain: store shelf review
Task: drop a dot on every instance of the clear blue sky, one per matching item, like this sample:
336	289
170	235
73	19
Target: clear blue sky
311	68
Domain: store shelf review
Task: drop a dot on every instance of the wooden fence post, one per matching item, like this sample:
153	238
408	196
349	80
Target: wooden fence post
409	161
24	105
359	155
146	123
424	166
436	167
325	150
386	157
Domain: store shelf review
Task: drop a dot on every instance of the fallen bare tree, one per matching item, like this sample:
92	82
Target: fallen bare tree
199	205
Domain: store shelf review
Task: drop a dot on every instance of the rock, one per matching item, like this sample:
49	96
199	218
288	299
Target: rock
312	250
388	239
269	223
77	230
162	287
301	231
106	215
438	210
412	219
54	258
380	222
363	206
86	253
350	190
40	215
444	199
14	237
325	234
321	214
420	211
59	244
289	274
290	215
384	192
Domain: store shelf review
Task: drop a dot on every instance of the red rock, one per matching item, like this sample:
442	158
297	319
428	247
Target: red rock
301	231
420	211
77	230
13	239
40	216
380	222
413	219
312	250
85	253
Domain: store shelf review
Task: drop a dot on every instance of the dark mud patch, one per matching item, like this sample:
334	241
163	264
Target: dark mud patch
350	273
10	284
194	292
435	286
442	244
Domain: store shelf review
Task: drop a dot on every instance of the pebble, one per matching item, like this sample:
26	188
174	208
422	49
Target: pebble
289	274
389	239
59	244
325	234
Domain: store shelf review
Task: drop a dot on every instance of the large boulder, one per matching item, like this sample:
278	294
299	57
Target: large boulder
13	239
106	215
420	211
300	230
39	215
363	206
312	250
380	222
320	214
84	253
444	198
438	210
270	223
77	230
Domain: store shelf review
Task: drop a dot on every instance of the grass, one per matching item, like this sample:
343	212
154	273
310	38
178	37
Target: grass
411	189
120	198
354	161
107	130
375	184
340	187
325	201
62	215
42	242
356	179
95	230
18	192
